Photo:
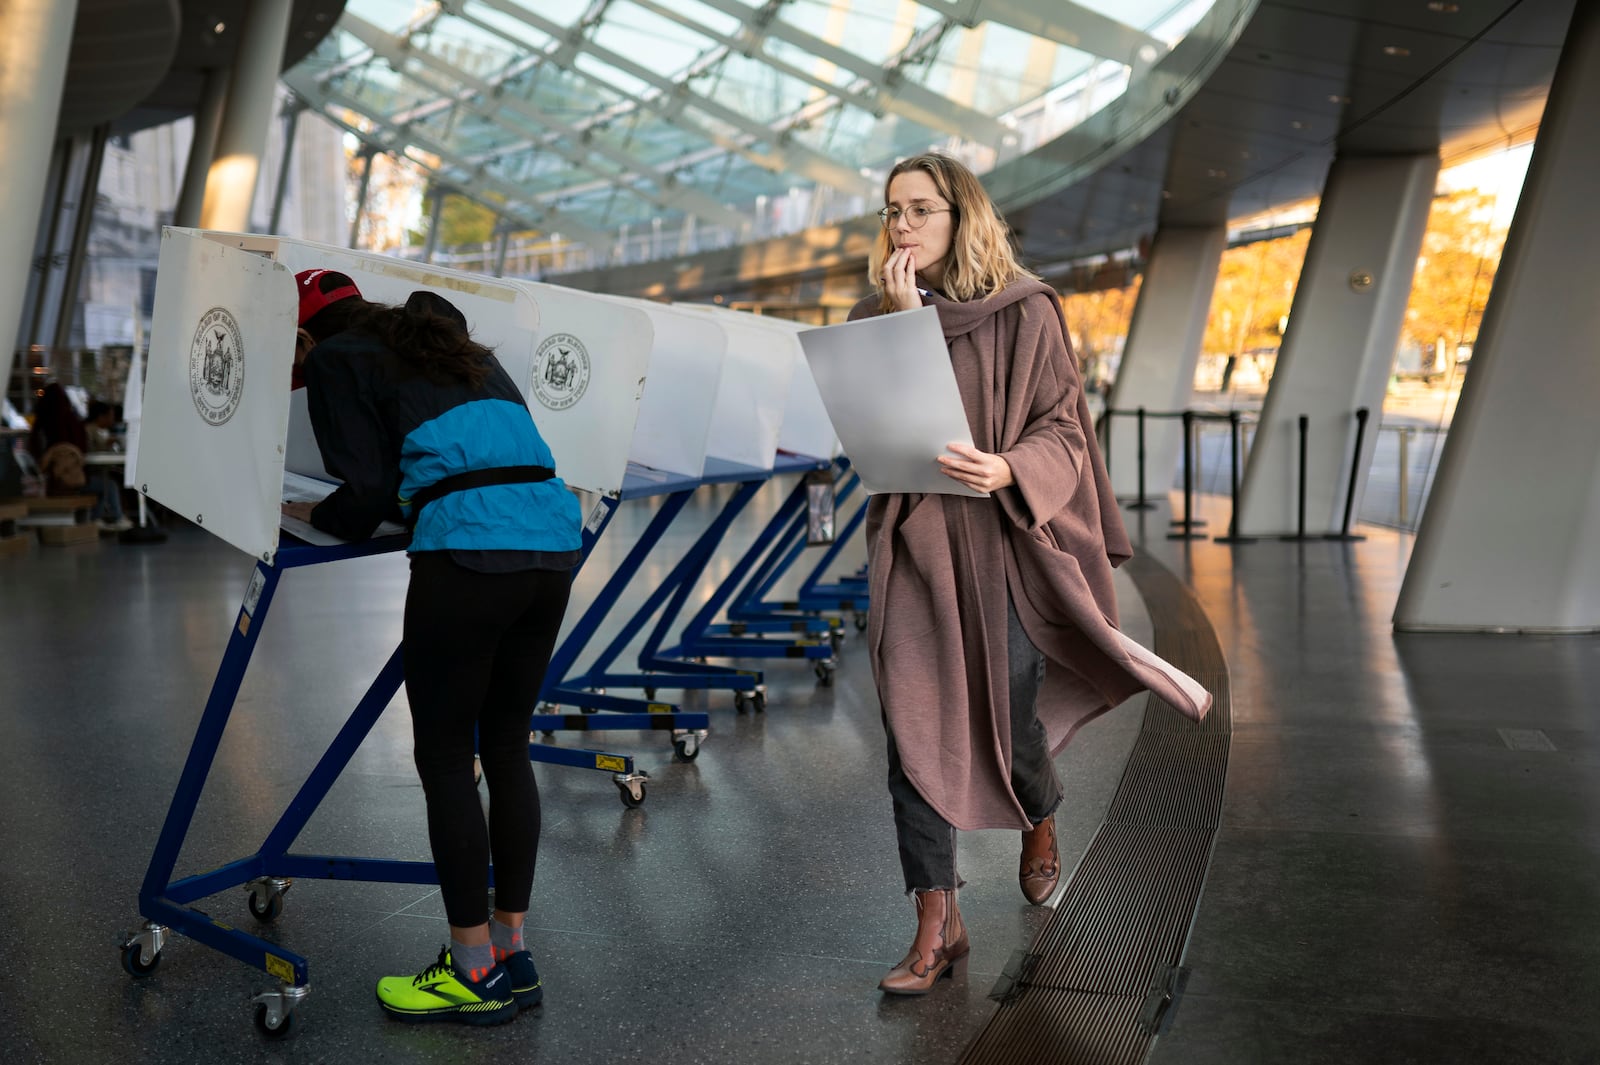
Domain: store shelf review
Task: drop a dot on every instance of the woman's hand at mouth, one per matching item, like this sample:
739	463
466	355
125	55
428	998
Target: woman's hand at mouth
900	279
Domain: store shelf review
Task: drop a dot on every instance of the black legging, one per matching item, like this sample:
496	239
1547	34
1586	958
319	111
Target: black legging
476	648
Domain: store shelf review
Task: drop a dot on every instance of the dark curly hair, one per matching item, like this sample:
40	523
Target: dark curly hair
427	331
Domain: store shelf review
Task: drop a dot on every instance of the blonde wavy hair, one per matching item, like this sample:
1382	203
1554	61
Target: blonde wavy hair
980	261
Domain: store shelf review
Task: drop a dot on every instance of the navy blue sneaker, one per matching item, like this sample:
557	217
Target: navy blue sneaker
525	984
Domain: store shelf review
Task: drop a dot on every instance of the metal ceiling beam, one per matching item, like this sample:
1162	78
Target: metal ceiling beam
492	103
544	217
788	155
906	98
375	141
664	104
951	118
1061	21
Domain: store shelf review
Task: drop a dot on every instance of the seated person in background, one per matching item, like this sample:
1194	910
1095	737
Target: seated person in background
101	427
59	441
105	481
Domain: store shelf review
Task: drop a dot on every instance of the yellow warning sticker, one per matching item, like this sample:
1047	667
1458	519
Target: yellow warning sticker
611	762
659	708
281	968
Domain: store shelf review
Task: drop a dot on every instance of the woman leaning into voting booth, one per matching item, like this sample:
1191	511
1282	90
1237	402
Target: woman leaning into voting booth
992	634
423	425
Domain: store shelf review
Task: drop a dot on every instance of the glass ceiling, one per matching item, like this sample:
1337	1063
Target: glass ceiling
587	117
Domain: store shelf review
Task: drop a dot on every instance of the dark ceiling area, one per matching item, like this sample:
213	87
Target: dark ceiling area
139	63
1309	79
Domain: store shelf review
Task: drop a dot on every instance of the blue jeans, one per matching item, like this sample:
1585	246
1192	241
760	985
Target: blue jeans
927	841
107	487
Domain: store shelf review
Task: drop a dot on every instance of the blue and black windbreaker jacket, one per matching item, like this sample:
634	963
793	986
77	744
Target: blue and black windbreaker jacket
388	431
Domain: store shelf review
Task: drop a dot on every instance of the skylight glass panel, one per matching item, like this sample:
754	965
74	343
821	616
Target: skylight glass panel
512	30
667	47
608	75
582	108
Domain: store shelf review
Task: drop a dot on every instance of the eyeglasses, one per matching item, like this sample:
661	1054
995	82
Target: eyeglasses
916	215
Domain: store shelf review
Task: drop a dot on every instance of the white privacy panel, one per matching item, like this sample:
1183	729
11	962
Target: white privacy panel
584	378
215	406
753	392
680	389
806	429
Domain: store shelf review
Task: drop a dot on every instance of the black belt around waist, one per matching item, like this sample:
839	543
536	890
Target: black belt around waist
460	482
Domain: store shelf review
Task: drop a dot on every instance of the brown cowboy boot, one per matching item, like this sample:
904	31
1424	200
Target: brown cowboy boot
941	942
1040	868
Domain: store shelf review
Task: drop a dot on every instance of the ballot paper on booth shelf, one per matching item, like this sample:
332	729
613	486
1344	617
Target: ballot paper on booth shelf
891	393
306	480
298	488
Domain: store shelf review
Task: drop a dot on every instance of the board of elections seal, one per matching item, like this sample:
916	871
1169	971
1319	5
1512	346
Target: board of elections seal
560	371
216	366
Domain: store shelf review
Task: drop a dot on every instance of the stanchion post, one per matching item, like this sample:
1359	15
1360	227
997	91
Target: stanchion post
1184	530
1233	536
1300	525
1103	429
1405	475
1141	503
1344	532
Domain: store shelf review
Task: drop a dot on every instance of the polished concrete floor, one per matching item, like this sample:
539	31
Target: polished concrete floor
1408	868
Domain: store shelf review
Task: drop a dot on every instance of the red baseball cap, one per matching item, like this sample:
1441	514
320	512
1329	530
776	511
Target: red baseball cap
312	299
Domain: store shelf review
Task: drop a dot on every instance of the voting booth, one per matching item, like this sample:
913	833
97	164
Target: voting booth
217	436
806	442
219	440
766	419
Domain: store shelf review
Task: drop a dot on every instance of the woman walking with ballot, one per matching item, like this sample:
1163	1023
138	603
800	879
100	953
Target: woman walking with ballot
993	632
424	426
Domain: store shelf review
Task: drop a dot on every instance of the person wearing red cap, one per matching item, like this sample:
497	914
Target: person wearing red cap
312	299
424	425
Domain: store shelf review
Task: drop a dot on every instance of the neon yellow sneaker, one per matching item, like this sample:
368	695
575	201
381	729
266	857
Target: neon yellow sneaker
441	992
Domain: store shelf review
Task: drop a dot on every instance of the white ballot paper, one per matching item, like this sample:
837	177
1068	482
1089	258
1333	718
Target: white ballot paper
891	394
298	488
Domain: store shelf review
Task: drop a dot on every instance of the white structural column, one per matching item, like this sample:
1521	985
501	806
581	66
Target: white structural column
1510	540
231	182
35	36
1158	362
202	148
1339	349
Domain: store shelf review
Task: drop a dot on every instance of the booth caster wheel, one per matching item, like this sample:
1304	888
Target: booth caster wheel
273	1027
686	744
632	788
274	1013
836	640
861	621
266	897
824	670
752	700
141	951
